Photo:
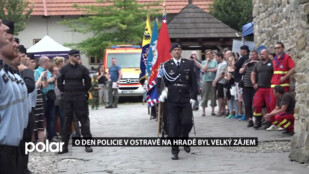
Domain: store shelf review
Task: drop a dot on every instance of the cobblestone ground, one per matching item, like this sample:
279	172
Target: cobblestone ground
132	120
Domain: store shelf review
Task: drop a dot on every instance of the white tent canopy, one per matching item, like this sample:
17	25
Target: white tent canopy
48	47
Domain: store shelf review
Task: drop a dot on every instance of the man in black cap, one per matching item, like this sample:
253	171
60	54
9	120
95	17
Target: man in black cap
244	52
74	81
180	79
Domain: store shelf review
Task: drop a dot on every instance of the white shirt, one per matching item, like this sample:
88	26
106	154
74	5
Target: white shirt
175	60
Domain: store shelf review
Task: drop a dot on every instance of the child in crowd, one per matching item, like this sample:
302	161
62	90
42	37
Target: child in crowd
95	92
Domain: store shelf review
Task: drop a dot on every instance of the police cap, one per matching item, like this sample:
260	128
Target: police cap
176	45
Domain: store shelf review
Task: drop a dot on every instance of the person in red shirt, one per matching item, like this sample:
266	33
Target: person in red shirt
284	67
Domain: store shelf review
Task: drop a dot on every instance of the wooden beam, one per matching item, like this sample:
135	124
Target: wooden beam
220	48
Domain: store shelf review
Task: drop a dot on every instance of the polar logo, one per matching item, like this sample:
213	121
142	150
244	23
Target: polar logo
46	147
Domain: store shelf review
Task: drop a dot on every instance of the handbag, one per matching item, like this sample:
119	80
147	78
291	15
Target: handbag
241	83
233	90
51	95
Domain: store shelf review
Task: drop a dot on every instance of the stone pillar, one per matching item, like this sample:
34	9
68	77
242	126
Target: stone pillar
288	21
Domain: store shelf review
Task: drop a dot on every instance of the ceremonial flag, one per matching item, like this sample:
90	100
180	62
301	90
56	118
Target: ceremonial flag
163	48
145	48
153	53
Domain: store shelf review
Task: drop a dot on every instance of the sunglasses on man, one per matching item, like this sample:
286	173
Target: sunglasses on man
76	55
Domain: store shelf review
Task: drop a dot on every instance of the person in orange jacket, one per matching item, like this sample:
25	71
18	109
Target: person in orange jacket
284	67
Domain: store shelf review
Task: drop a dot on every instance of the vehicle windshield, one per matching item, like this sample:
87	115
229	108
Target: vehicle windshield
125	60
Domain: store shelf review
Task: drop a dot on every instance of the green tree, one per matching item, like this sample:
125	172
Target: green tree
233	13
18	11
117	22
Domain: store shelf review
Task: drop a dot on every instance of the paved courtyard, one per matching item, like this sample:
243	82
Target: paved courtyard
132	120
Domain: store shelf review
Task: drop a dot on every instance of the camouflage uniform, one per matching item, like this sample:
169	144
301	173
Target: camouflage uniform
95	93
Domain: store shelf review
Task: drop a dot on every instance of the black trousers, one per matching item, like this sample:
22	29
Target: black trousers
154	109
75	103
179	121
248	94
27	136
164	113
9	160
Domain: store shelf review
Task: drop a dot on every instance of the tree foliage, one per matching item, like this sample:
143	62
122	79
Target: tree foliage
117	22
233	13
18	11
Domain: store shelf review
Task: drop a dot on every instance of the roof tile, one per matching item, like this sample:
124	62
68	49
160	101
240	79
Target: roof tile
65	7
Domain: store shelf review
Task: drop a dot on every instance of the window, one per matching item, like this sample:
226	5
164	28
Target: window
93	61
36	41
125	60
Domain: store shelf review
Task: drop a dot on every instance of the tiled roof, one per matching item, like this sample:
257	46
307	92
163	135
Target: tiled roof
193	22
65	7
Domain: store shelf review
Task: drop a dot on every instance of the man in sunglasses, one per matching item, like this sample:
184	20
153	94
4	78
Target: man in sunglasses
74	81
284	67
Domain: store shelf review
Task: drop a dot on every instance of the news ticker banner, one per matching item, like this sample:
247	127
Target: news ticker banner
159	142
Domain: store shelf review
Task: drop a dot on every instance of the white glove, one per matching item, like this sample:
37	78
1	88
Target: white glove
192	101
163	95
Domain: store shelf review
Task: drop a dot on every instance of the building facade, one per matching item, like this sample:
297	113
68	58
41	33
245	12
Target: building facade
47	15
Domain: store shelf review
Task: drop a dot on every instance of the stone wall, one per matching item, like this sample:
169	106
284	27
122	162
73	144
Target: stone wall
288	21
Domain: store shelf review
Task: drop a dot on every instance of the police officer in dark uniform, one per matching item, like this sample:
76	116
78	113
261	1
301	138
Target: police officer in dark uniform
74	81
179	78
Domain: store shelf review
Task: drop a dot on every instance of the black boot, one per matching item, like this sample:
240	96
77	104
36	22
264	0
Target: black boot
88	149
65	147
250	123
258	123
267	125
64	150
109	106
175	151
27	171
175	156
187	149
288	133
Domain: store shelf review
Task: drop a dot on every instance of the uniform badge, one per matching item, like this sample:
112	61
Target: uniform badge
281	66
269	64
172	72
5	78
187	77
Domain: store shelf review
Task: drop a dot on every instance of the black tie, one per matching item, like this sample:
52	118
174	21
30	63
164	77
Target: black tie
178	64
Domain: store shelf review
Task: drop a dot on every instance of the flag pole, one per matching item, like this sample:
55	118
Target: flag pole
164	7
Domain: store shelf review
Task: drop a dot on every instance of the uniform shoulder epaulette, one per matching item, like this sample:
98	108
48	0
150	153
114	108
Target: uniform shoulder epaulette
168	62
165	62
184	59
